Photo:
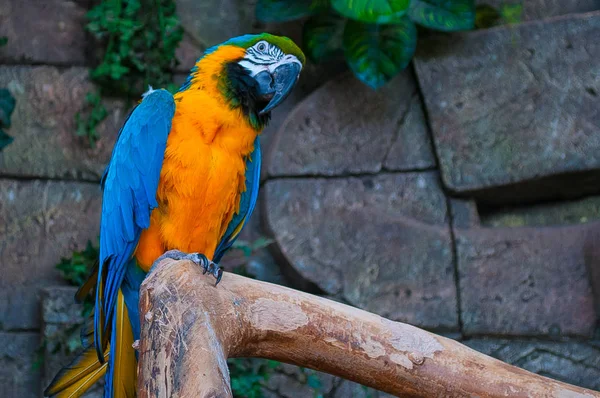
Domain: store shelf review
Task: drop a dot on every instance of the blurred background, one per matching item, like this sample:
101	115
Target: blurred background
437	164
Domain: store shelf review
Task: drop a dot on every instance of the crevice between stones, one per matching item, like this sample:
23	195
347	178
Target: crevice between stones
487	211
21	330
433	147
398	127
530	338
455	265
35	64
382	171
540	350
17	177
436	157
536	191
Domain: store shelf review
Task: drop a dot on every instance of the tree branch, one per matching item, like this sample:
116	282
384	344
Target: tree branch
190	328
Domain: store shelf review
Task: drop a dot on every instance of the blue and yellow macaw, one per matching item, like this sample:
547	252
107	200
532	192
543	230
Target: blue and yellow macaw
183	178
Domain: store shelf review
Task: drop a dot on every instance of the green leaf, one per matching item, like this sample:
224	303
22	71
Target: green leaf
261	243
248	376
376	53
322	36
512	12
486	16
5	140
444	15
373	11
3	41
313	381
7	106
76	269
287	10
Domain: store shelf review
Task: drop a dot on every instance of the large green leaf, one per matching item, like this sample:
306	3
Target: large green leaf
287	10
373	11
7	106
376	53
322	36
444	15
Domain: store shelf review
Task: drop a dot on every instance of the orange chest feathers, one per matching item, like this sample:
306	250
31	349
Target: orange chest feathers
202	178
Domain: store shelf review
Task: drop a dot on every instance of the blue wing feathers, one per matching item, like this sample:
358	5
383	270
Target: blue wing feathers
256	163
247	202
130	184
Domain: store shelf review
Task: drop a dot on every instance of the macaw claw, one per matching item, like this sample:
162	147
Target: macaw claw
198	259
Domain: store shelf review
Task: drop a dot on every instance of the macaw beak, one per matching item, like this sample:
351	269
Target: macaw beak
275	86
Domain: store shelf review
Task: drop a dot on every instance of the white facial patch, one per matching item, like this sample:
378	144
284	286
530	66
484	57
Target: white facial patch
264	56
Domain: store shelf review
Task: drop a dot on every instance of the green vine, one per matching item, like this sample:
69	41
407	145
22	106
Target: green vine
138	39
77	268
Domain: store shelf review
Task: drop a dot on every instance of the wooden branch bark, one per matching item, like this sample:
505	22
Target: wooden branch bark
190	328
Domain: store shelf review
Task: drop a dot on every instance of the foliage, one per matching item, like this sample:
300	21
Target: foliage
246	249
376	53
66	341
377	37
76	269
249	376
512	12
444	15
322	36
487	16
88	120
378	12
138	39
249	247
287	11
7	106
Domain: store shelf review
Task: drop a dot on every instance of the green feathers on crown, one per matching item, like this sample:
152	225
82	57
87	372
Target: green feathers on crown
246	41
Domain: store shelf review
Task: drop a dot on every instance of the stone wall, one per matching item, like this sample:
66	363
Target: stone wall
463	196
460	198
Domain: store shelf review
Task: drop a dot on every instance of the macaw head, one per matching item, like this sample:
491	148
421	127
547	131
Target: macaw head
274	62
254	72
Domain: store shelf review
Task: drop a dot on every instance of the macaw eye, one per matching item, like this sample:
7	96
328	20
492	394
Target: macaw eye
261	47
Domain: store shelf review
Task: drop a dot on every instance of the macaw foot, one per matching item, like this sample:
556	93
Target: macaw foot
198	259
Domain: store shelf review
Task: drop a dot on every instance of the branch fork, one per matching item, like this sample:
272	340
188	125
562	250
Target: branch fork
190	328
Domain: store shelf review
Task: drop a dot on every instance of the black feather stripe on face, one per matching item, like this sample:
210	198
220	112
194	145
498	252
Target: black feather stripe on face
239	88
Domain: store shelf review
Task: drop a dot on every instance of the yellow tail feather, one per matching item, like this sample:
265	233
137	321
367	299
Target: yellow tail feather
88	285
99	327
77	389
125	371
77	377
